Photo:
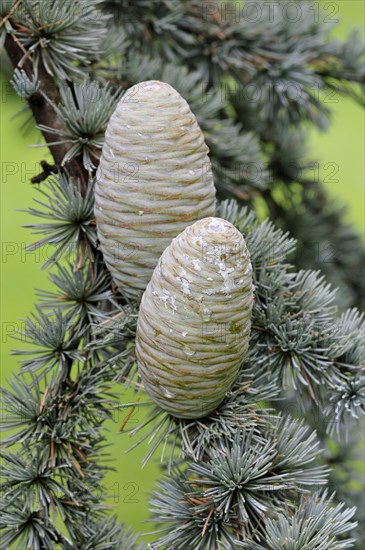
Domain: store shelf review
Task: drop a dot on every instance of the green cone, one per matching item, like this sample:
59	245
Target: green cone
154	179
194	319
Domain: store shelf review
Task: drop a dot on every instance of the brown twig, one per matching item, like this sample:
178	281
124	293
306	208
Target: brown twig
52	455
47	170
10	13
125	421
41	406
207	520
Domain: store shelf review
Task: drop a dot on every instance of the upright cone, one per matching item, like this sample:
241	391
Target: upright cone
194	319
154	179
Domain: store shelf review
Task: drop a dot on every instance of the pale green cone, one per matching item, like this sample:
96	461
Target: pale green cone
154	179
194	319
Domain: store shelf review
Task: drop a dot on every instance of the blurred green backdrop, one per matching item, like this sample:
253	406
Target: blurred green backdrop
21	272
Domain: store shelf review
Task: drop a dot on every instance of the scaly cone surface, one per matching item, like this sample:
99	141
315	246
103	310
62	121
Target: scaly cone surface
194	320
154	179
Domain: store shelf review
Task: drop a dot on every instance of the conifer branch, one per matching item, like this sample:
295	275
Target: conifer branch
40	103
247	474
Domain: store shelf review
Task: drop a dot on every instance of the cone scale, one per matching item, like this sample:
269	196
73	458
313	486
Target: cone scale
154	179
194	319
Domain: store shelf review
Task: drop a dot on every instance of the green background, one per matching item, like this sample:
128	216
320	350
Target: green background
21	272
